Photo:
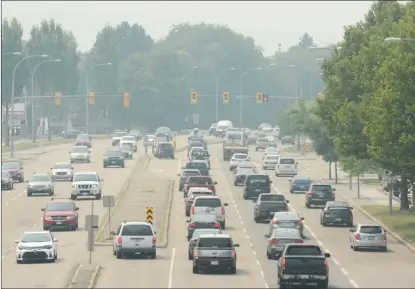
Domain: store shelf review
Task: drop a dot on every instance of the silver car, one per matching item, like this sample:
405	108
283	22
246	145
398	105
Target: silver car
270	161
40	184
287	220
368	236
80	154
236	160
278	239
86	184
62	172
270	151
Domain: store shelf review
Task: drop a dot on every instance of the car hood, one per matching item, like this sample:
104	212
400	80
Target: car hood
116	138
34	244
39	183
58	213
85	183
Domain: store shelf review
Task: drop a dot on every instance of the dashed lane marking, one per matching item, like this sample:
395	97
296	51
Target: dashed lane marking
344	271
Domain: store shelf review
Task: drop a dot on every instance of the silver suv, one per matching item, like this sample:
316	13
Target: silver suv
86	184
368	236
133	238
80	154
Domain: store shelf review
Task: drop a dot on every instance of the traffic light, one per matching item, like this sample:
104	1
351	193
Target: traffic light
57	98
265	97
259	98
225	97
193	97
126	99
91	97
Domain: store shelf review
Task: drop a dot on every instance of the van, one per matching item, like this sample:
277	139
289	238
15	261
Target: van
211	205
286	166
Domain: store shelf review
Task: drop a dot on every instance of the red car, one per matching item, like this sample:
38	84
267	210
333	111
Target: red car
60	214
199	181
83	140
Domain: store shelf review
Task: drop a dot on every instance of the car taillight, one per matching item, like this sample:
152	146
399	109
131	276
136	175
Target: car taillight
300	222
195	253
193	210
274	241
357	236
384	236
325	263
274	222
233	254
284	263
192	225
309	193
216	226
223	210
190	200
119	240
299	242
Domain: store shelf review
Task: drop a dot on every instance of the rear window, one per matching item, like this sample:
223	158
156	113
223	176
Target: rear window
321	188
258	180
287	161
273	157
338	208
200	181
215	242
272	198
211	203
196	166
136	230
195	144
262	140
240	156
304	251
371	230
161	134
303	182
191	173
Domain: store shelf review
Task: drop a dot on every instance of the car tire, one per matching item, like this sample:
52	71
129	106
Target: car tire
223	225
123	165
187	214
118	254
98	196
350	225
11	186
307	205
195	270
291	191
19	261
269	256
21	180
114	253
73	197
45	228
29	194
256	220
189	256
384	249
355	248
277	175
233	270
51	193
323	284
73	228
104	166
153	255
56	256
235	184
245	197
256	149
71	162
88	161
323	223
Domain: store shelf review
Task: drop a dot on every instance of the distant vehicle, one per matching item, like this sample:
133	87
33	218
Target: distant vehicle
255	185
136	134
71	134
288	139
127	150
261	143
267	205
286	166
166	131
86	184
210	205
368	236
236	160
148	140
130	140
192	194
279	238
40	184
300	184
201	222
241	175
116	137
6	181
60	213
202	166
222	126
287	220
337	213
113	158
234	142
62	172
270	161
83	140
80	154
184	175
164	150
319	194
15	170
212	129
45	243
199	181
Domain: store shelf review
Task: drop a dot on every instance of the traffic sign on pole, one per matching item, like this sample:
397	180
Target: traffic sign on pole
149	215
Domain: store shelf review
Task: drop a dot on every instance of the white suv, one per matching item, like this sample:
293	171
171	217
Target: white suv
286	166
209	205
36	246
86	184
134	237
129	139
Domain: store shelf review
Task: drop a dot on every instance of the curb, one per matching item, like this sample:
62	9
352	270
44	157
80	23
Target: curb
390	232
94	276
92	279
166	220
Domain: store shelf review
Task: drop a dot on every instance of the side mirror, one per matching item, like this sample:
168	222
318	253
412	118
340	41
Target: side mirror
266	235
351	208
351	230
225	204
327	255
236	245
302	218
188	221
76	209
215	183
16	241
112	233
42	209
55	240
287	201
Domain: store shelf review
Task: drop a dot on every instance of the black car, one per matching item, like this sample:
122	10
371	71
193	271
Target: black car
255	185
6	181
201	222
319	194
127	151
337	213
113	158
15	170
164	150
267	205
184	175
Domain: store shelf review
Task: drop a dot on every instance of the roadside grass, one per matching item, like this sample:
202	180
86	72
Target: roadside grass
371	181
401	222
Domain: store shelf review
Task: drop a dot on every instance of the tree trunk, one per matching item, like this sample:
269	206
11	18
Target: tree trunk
358	186
336	173
7	128
329	170
404	194
49	126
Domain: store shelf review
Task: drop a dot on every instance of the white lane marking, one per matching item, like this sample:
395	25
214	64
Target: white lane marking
344	271
179	165
335	261
6	203
173	255
354	284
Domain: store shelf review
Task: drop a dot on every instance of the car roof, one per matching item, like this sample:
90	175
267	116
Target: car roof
337	204
304	178
258	174
224	236
135	223
207	197
36	232
200	189
205	177
286	216
86	173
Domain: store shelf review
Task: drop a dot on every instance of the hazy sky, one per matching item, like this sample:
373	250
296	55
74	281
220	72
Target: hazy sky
269	23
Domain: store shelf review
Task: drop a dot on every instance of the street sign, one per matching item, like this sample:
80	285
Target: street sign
108	201
195	118
149	215
306	147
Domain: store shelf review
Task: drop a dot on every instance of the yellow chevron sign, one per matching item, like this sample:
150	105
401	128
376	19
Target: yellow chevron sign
149	218
306	148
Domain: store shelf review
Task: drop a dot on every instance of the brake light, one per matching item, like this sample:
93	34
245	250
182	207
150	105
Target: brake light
357	236
299	242
193	210
195	253
325	263
284	263
216	226
190	200
223	210
154	240
300	222
274	241
233	254
119	241
192	225
309	193
274	222
384	236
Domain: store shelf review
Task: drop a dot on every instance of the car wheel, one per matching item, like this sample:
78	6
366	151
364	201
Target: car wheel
187	214
307	205
114	252
277	175
98	196
118	254
245	197
269	256
235	184
11	186
29	194
233	270
51	193
189	256
323	284
323	223
153	255
123	165
56	256
195	270
73	197
355	248
256	220
19	261
104	166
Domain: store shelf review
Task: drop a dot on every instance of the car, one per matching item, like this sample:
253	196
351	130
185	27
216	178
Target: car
196	234
193	144
148	140
184	175
203	221
40	184
261	143
287	139
267	205
319	194
240	176
236	160
136	134
199	181
71	134
202	166
129	140
36	246
164	150
166	131
279	238
200	155
113	158
81	154
127	151
256	184
210	205
287	220
6	181
271	141
134	237
60	213
300	184
337	213
208	247
83	140
86	184
116	137
192	194
270	151
270	162
368	236
286	166
247	164
15	170
193	151
212	129
62	172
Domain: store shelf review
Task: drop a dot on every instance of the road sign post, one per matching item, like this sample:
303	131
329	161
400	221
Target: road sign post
91	223
149	215
108	201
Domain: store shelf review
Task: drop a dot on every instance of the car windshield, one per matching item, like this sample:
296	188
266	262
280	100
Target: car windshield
136	230
5	175
240	156
128	138
85	178
198	166
321	188
234	136
371	230
80	149
215	242
161	134
200	232
8	166
83	137
272	198
113	153
40	178
203	193
35	237
287	161
258	180
63	166
302	181
196	145
200	180
60	207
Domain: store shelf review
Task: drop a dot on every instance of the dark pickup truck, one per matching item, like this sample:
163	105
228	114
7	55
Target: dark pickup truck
303	265
267	205
216	251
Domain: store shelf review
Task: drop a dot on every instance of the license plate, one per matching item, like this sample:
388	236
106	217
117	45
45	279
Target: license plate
214	262
84	193
258	190
371	238
113	162
58	223
304	277
338	219
302	187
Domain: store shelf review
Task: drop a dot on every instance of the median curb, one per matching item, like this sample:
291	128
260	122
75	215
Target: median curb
166	219
87	273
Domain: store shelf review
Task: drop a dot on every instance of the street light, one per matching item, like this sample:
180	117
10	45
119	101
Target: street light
241	92
217	89
33	98
12	100
87	90
12	53
398	40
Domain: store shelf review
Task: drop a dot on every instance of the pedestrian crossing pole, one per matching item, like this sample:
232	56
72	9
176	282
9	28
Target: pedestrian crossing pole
149	213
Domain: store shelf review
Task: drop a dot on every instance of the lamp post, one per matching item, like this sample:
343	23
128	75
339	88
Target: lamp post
241	92
217	89
87	91
33	99
12	100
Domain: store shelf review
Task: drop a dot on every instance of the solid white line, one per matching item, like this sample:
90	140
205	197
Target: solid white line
335	261
344	271
173	255
354	284
6	203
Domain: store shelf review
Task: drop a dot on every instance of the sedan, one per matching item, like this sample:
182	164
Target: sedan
278	238
270	161
287	220
62	172
6	181
240	176
201	222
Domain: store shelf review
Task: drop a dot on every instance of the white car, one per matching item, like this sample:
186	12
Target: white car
286	166
36	246
116	137
129	139
134	237
270	151
270	161
81	154
210	205
272	142
148	140
86	184
62	172
236	160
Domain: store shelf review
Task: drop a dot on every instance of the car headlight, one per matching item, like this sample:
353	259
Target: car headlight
48	247
73	186
48	185
70	217
94	186
106	158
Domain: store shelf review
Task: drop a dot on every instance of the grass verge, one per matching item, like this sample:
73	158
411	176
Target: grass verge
371	182
401	222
